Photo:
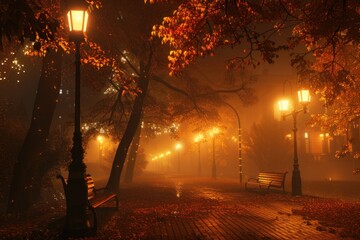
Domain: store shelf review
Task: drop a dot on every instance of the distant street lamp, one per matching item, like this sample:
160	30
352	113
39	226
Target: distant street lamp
178	147
168	160
198	139
76	223
212	134
239	141
100	140
284	107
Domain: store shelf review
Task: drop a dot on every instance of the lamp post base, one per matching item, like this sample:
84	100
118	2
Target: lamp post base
296	183
77	222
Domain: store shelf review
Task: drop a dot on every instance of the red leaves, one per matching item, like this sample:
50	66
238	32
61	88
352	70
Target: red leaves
334	213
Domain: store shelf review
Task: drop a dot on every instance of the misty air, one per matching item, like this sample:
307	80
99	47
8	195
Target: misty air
157	119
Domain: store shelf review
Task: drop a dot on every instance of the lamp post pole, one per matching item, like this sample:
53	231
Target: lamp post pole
100	140
178	147
198	138
178	168
296	188
212	134
304	99
213	173
239	142
76	222
199	163
296	177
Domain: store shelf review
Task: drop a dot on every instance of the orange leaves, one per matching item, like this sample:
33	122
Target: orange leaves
180	31
96	57
96	62
175	55
334	213
198	27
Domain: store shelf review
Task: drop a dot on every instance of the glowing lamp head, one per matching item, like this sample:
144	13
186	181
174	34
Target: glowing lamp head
304	98
284	105
178	146
77	18
199	138
100	139
212	132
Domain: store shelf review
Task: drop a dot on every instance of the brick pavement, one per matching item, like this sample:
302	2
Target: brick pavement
193	209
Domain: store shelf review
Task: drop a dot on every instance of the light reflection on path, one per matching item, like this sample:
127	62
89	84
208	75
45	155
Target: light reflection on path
218	210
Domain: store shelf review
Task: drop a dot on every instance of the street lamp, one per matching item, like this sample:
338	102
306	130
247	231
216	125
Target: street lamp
178	146
284	107
100	140
239	142
168	160
212	134
198	139
76	223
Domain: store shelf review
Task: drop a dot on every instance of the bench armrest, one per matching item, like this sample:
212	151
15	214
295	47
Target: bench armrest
253	180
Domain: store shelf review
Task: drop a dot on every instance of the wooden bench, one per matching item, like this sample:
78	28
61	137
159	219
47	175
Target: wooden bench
267	180
96	197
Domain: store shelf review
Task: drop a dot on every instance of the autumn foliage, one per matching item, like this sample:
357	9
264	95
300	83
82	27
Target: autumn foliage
321	36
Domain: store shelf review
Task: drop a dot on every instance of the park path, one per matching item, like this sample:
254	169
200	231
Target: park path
163	207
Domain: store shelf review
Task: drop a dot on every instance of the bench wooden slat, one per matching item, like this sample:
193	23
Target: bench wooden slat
99	202
268	180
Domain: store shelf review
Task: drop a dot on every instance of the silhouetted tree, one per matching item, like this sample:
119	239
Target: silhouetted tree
22	19
130	167
268	147
28	172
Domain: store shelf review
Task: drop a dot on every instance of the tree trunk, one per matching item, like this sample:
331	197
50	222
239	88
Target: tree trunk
28	169
129	173
134	121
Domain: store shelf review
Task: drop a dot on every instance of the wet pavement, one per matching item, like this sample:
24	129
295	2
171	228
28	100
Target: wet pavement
174	207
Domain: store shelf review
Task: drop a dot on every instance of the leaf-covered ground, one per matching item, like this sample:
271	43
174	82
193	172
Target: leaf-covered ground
333	213
147	204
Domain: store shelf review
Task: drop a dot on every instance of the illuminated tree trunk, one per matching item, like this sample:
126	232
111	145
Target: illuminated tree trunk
133	123
130	167
30	166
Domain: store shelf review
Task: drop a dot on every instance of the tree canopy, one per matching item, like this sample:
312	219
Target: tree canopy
22	19
322	37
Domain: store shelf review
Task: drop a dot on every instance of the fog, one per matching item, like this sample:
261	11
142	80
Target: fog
321	173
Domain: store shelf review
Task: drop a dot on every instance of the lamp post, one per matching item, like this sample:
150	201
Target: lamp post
100	139
76	223
178	146
168	161
198	139
284	106
212	134
239	142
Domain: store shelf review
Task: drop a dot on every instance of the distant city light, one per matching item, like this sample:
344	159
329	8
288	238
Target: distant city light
15	65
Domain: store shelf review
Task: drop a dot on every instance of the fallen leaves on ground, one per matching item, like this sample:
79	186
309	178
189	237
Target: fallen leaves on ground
333	213
145	208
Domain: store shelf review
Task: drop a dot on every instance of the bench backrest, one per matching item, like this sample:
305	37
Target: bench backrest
91	186
276	179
